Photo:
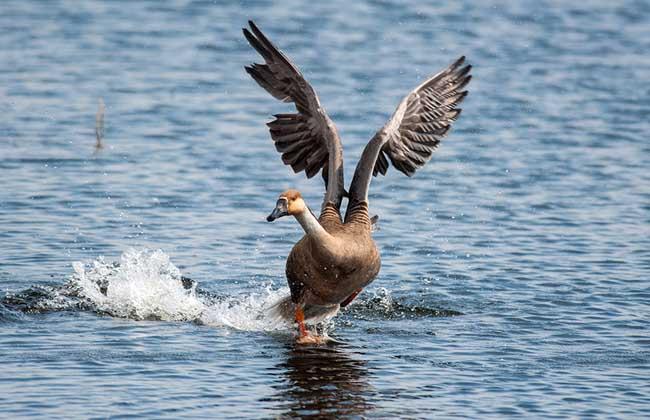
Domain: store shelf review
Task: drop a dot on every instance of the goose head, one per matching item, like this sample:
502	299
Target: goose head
290	203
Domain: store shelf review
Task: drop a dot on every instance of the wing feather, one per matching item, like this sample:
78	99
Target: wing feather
416	128
307	139
423	118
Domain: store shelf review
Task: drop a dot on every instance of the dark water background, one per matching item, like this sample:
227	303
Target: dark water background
516	265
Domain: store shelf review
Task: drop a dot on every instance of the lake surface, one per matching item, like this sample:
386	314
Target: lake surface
516	264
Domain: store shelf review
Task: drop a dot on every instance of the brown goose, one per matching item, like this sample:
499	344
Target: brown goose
337	257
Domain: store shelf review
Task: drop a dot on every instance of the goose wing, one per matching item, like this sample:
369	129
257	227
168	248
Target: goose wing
414	131
307	140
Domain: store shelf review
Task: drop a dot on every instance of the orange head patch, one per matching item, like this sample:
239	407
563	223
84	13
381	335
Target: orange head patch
295	203
291	195
289	203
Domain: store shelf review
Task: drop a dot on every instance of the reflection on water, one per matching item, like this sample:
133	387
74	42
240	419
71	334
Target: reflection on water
324	381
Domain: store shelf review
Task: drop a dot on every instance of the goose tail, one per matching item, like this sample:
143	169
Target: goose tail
285	310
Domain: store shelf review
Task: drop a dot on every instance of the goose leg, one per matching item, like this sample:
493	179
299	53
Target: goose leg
300	319
305	337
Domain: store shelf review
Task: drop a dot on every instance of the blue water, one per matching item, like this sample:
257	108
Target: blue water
516	264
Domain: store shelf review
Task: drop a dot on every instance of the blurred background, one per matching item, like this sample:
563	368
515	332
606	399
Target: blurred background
532	220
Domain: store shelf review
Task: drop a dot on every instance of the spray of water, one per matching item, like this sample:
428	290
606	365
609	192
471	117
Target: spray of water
146	285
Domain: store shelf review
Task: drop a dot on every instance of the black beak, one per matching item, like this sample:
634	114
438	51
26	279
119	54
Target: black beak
279	210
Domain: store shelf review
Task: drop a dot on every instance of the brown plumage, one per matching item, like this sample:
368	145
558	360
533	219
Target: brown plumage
326	272
337	257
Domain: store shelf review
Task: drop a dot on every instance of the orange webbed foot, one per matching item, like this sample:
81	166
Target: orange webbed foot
311	339
304	335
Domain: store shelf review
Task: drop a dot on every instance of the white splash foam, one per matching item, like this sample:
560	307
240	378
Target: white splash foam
382	299
247	313
147	285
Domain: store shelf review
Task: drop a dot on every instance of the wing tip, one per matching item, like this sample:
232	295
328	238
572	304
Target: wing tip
465	70
247	34
464	82
459	62
258	41
253	26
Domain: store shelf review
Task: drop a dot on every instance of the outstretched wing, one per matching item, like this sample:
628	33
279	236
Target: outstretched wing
307	139
414	131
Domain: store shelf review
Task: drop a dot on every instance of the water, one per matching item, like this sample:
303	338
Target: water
516	265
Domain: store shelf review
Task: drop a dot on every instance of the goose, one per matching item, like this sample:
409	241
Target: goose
337	257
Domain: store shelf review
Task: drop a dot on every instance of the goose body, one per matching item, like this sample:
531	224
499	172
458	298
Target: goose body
325	271
337	257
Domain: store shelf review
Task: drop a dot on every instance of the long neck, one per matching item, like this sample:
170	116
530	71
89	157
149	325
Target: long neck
310	224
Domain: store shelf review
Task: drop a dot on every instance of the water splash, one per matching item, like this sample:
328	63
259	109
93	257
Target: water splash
248	312
146	285
382	305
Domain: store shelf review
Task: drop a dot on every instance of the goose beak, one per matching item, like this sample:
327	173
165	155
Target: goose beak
279	210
